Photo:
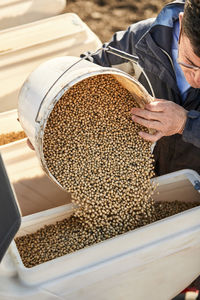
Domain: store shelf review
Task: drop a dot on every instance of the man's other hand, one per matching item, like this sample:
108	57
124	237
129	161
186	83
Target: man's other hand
30	145
166	117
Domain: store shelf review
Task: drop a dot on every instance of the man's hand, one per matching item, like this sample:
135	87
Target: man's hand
166	117
30	144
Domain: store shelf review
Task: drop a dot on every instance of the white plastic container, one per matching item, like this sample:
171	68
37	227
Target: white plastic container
8	122
25	47
46	85
153	262
18	12
34	190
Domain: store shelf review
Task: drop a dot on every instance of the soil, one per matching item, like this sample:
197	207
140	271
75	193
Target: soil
105	17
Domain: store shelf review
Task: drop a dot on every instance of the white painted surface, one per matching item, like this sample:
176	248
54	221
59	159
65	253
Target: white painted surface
34	190
153	262
8	122
18	12
24	48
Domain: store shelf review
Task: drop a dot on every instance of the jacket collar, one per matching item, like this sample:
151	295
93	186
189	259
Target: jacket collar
163	24
154	47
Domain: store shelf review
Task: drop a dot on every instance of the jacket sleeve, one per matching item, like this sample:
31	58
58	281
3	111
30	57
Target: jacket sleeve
122	40
191	133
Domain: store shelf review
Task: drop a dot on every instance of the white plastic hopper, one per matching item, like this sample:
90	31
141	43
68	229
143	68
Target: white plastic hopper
18	12
34	190
25	47
153	262
8	122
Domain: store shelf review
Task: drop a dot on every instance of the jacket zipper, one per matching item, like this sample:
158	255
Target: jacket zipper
170	59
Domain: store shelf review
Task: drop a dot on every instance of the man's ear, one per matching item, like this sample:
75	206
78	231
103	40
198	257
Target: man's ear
180	26
180	18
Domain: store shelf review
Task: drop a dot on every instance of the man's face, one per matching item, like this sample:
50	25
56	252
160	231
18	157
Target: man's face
188	60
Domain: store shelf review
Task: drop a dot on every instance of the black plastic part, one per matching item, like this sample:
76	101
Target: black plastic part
10	218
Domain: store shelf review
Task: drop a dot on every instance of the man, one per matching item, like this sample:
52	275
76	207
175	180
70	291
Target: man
168	49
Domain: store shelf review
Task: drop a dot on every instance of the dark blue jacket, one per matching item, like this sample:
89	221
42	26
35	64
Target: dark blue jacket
150	40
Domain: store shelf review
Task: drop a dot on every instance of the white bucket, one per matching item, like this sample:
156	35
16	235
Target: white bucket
46	85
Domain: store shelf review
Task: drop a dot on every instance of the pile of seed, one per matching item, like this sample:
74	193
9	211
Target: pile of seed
92	148
167	209
13	136
69	235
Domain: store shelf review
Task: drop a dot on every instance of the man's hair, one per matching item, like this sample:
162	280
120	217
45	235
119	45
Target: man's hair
191	24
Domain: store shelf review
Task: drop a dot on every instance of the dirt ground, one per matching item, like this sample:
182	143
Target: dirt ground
105	17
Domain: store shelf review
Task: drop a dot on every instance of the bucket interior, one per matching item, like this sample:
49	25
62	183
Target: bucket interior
135	88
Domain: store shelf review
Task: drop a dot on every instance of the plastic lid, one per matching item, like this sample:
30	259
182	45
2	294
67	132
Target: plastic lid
10	218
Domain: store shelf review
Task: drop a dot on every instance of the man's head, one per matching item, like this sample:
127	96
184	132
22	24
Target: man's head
189	42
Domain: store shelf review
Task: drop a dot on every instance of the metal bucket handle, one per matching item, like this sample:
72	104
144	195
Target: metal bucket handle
111	50
134	59
36	118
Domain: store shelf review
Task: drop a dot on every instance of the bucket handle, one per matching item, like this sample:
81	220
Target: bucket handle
37	116
109	49
134	59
